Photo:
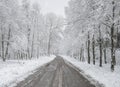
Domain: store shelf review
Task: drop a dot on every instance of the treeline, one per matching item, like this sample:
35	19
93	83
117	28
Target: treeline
93	29
26	33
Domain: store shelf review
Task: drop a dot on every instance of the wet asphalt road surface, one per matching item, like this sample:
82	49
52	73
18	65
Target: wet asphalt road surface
56	74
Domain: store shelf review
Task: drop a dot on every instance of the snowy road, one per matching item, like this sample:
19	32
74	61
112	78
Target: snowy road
56	74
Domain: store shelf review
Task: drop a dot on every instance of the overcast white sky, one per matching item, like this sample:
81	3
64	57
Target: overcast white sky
56	6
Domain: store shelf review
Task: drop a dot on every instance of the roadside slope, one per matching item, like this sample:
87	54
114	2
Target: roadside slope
102	75
13	71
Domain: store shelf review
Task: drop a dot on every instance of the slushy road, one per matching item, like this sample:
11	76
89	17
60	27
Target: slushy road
56	74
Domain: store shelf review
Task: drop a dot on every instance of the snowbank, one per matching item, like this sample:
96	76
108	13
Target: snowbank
103	75
14	71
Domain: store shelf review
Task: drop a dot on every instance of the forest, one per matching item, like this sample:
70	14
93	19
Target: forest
59	43
93	29
89	32
25	32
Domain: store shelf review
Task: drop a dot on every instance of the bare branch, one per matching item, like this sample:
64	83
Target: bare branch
106	24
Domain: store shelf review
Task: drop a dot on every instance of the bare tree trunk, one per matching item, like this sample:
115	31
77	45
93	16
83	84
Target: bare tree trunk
38	46
105	49
100	47
105	58
93	49
8	42
22	55
83	59
88	48
32	46
49	42
3	54
38	52
28	46
81	54
113	62
117	37
17	54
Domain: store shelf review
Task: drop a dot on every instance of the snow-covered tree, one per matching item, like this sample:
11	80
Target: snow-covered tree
54	25
92	25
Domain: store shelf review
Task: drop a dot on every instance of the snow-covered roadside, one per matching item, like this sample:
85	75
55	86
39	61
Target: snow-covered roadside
14	71
103	75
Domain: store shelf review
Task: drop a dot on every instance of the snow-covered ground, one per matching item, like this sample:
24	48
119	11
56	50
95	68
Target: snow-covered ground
102	75
13	71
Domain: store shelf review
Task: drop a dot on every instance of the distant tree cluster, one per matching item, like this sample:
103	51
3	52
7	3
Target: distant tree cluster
24	32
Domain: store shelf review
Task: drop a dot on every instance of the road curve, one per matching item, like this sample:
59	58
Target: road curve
56	74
